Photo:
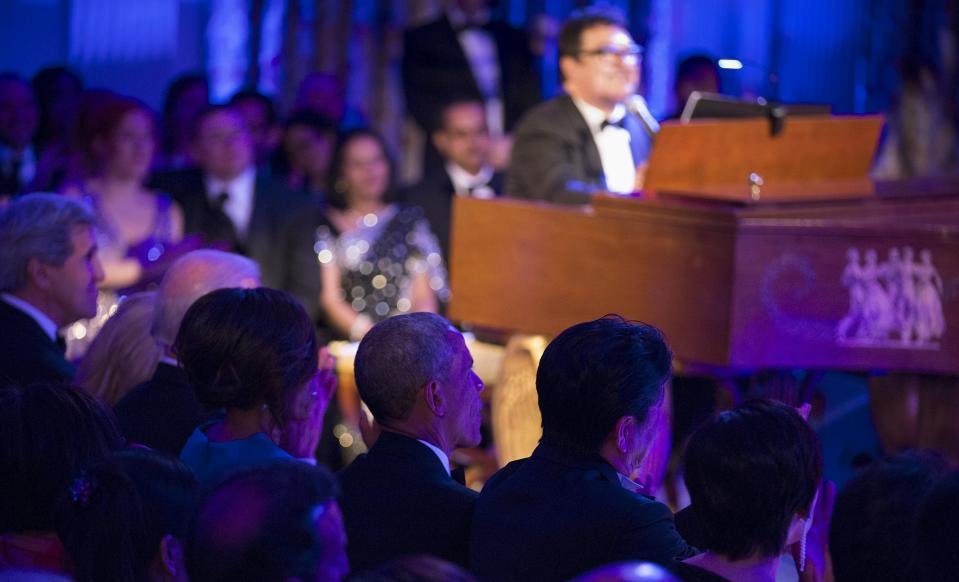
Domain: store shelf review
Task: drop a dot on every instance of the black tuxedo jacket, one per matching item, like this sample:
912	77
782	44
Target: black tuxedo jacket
555	158
397	500
277	239
555	515
27	354
435	69
162	412
434	194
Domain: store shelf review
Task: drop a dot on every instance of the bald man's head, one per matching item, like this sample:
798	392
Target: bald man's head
192	276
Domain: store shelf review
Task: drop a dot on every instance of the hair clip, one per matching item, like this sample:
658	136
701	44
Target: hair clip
81	489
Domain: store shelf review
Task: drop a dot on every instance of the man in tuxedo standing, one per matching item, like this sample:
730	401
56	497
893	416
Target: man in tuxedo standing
237	208
463	141
466	52
415	373
592	139
49	272
18	124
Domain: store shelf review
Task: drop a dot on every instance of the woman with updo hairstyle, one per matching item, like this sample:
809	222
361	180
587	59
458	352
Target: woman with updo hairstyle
753	474
253	353
377	258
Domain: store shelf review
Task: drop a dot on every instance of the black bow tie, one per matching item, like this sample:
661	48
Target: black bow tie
61	344
607	123
459	475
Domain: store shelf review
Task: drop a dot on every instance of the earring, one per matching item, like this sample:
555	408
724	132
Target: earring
807	522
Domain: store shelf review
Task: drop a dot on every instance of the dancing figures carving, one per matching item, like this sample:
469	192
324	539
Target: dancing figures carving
895	303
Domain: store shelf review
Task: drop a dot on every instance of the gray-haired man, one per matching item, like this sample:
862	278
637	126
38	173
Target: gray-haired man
48	279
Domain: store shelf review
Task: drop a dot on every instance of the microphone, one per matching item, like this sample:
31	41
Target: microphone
638	107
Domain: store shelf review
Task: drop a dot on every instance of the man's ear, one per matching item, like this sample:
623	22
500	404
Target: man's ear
435	398
171	557
439	141
38	273
625	431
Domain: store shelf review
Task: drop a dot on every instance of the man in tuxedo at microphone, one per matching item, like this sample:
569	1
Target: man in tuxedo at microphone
596	137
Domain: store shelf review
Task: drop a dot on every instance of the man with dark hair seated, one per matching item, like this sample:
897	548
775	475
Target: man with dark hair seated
49	272
269	523
416	375
872	535
571	506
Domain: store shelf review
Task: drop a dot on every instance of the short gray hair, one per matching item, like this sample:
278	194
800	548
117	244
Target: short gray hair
397	357
37	226
192	276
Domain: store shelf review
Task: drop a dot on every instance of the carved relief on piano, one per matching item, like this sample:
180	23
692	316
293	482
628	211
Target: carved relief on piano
896	303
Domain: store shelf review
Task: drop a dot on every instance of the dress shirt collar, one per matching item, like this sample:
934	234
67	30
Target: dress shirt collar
629	485
44	321
169	360
439	454
241	186
463	181
595	116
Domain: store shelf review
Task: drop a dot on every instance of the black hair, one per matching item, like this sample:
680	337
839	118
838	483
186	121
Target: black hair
335	195
116	512
693	63
872	535
439	116
315	122
749	471
45	90
937	536
571	34
416	568
209	111
596	372
254	95
47	433
258	524
244	347
174	92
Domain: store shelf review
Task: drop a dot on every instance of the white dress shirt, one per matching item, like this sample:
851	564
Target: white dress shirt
439	454
28	163
613	145
479	46
470	185
239	206
44	321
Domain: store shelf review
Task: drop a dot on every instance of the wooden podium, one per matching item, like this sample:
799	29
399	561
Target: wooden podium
824	274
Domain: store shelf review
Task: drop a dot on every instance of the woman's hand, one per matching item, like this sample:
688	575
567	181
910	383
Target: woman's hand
302	432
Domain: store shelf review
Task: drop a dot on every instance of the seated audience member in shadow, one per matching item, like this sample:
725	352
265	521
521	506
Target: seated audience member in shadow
254	353
279	522
873	531
47	433
162	411
572	506
124	518
938	532
123	354
415	373
49	272
753	474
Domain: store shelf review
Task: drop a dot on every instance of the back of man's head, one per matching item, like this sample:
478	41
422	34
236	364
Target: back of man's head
872	534
192	276
938	532
596	372
37	226
397	358
276	522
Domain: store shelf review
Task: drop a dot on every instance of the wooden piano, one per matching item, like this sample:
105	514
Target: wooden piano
750	251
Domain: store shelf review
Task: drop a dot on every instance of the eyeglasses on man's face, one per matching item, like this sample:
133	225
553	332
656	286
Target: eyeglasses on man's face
612	54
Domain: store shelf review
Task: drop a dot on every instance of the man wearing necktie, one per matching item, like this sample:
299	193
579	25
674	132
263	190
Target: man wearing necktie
462	138
415	373
235	207
49	272
18	123
589	140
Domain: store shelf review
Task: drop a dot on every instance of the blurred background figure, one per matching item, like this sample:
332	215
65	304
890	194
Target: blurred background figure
305	152
377	258
259	113
18	124
694	73
324	93
186	96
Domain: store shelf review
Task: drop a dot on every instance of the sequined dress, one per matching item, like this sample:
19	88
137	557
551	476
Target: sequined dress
380	258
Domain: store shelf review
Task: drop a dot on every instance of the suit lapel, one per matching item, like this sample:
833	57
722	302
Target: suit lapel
593	163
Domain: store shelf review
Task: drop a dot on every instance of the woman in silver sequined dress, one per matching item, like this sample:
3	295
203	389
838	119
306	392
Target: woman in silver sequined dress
377	258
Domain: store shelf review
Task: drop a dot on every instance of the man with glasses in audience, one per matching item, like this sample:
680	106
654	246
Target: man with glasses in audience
596	137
